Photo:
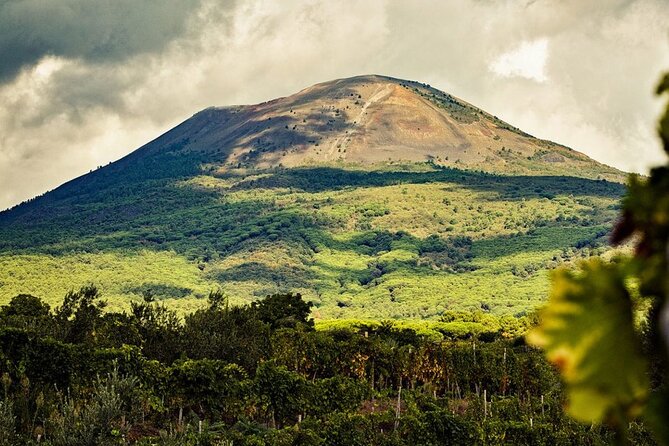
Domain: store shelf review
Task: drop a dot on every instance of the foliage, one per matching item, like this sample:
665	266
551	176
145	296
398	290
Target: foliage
589	328
283	310
79	313
231	375
98	421
224	333
595	306
7	424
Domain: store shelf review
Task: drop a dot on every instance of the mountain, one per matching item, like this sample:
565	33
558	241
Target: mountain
373	196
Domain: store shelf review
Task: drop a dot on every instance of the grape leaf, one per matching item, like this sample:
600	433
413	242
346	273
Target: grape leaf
587	331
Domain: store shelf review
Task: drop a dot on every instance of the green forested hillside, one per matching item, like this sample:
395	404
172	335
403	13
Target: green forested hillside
393	241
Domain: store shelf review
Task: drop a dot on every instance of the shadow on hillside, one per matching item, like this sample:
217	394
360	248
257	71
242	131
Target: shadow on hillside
454	254
284	277
544	240
547	238
158	290
320	179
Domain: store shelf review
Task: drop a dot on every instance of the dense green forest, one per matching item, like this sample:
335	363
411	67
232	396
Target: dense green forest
388	241
261	374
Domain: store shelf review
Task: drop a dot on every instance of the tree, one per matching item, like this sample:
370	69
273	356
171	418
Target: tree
25	305
159	328
283	310
224	333
80	314
27	312
281	390
217	300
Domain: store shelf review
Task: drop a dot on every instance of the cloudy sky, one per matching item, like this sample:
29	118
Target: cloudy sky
84	82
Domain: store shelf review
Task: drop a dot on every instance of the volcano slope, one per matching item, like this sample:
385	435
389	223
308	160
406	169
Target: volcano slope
374	197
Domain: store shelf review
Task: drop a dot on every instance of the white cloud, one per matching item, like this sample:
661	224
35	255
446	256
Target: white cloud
527	60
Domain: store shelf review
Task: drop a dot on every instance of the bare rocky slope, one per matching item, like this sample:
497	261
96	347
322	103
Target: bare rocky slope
372	119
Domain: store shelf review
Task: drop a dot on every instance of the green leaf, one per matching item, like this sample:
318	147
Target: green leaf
587	331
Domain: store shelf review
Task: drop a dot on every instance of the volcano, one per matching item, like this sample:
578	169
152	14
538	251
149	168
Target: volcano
374	197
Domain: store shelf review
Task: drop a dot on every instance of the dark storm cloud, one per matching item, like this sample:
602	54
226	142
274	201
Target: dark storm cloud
92	30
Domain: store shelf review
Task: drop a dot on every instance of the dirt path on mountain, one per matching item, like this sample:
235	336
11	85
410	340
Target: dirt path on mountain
380	92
